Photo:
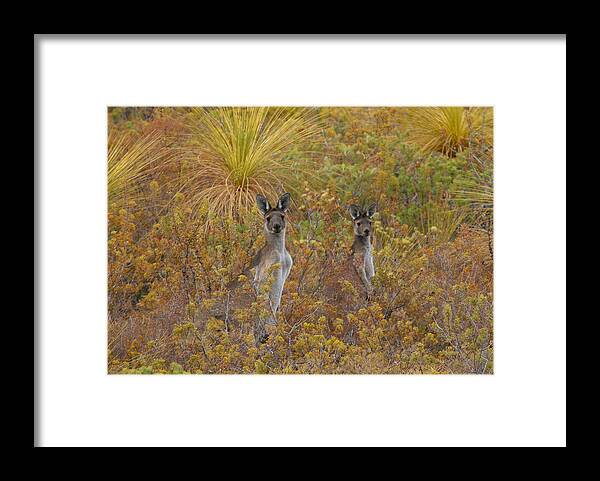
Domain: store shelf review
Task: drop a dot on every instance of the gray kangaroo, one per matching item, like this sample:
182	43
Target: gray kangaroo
273	252
361	253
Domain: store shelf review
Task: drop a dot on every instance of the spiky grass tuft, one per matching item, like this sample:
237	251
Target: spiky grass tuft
131	162
449	130
240	152
440	223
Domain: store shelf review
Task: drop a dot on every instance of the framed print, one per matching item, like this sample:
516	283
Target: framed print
296	240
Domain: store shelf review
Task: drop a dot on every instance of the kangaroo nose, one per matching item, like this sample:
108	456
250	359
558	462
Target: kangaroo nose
367	231
276	227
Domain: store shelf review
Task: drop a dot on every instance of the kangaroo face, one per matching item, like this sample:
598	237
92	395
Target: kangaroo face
274	220
361	219
362	226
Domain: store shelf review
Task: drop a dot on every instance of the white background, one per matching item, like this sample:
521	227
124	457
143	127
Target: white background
523	403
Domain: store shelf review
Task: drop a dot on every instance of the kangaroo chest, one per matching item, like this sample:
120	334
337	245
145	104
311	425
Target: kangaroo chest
362	257
273	257
269	256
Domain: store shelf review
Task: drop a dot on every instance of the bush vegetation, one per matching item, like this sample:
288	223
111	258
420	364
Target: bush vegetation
189	233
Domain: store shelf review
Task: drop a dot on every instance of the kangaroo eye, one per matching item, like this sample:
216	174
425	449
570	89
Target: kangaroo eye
269	218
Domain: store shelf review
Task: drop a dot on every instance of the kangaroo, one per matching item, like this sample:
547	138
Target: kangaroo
355	267
273	252
361	253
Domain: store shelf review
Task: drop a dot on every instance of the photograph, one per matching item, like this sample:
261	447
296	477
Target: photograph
300	240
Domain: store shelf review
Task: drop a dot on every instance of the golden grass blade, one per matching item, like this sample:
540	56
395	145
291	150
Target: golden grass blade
130	162
440	223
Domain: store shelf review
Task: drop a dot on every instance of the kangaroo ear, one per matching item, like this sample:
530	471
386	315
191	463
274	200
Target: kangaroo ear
354	211
263	203
284	202
371	210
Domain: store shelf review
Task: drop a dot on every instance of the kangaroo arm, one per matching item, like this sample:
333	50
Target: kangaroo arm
358	261
257	258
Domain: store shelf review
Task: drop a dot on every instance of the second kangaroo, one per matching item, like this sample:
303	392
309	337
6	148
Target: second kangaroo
362	255
274	252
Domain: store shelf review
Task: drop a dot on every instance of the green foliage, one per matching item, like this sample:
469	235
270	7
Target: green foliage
352	181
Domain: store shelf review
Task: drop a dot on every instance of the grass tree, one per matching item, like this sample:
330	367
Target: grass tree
449	130
238	152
